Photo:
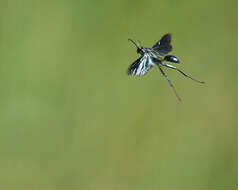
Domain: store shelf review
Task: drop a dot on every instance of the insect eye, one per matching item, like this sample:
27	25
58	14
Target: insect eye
138	50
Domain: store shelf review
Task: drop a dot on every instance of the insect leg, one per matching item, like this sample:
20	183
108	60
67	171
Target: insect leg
170	83
175	68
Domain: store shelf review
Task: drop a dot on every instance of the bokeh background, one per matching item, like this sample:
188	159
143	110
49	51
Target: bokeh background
70	117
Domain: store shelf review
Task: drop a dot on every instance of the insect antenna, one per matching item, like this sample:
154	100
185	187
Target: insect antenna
133	42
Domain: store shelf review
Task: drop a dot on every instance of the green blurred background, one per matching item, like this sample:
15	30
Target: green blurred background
70	117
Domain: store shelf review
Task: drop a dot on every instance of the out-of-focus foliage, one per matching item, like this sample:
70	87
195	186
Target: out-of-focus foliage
70	117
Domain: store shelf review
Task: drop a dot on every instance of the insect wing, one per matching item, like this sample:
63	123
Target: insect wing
163	46
141	66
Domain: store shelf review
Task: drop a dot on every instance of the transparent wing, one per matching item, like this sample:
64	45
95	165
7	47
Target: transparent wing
163	46
141	66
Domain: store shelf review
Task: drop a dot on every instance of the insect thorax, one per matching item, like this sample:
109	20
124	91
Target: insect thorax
151	53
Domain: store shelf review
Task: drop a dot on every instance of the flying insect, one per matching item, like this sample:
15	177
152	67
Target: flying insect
156	55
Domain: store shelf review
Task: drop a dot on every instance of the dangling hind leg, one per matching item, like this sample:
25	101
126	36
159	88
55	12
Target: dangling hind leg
175	68
170	83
